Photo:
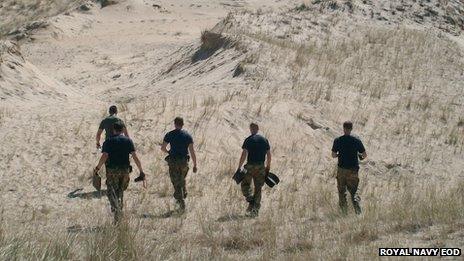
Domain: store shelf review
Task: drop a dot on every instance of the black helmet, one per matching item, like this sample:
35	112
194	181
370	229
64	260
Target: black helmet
272	179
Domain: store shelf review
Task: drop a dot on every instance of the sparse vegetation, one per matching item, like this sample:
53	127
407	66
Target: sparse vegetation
400	86
212	41
5	113
302	7
273	235
17	13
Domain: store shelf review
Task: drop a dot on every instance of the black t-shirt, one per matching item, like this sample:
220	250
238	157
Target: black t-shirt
348	147
107	125
257	147
179	140
118	149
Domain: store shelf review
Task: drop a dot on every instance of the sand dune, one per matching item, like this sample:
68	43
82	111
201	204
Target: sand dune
21	81
298	68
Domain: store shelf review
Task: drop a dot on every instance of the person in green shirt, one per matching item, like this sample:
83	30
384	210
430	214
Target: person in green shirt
108	123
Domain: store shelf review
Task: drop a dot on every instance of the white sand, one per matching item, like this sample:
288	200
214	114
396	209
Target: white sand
306	72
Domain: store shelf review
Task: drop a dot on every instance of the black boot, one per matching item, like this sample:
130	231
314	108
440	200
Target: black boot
181	208
117	217
255	209
251	204
356	203
357	208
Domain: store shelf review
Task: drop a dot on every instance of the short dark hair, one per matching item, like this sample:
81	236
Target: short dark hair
113	109
254	126
178	121
348	125
118	126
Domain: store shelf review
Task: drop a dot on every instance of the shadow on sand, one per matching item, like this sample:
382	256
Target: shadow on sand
170	213
86	195
232	217
81	229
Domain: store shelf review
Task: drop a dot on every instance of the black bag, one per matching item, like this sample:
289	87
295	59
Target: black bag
239	176
271	179
141	177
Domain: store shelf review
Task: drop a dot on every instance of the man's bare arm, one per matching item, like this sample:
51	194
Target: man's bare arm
242	158
268	160
98	137
194	157
126	133
137	161
163	147
102	161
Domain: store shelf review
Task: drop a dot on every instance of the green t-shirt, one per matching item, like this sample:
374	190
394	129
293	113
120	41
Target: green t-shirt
107	125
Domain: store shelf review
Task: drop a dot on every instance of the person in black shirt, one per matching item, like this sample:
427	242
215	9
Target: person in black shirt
347	149
180	143
255	150
107	125
115	155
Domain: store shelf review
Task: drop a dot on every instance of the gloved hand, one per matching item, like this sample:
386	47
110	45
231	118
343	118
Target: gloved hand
141	177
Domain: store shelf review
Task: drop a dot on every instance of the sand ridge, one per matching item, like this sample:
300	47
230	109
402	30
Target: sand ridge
303	70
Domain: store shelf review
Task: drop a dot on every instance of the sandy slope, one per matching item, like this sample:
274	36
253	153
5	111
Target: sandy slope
296	84
48	128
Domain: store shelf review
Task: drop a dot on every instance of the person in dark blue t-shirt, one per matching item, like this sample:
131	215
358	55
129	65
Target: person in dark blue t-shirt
115	155
347	149
256	151
181	145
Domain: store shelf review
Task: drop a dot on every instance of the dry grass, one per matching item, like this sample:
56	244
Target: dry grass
299	219
212	232
5	113
212	41
399	86
391	75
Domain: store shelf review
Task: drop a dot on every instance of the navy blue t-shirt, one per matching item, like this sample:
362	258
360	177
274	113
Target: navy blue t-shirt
118	148
348	147
257	147
179	140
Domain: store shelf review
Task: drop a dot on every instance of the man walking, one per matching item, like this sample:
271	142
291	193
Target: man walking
107	125
181	144
115	155
256	151
347	149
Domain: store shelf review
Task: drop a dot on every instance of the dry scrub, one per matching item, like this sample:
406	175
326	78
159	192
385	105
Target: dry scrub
401	85
311	227
20	12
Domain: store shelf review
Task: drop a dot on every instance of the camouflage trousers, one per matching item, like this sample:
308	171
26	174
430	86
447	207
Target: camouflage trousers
347	179
117	180
178	169
255	173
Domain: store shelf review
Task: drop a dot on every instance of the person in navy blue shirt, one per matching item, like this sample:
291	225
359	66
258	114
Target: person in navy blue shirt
115	155
180	149
347	149
256	150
